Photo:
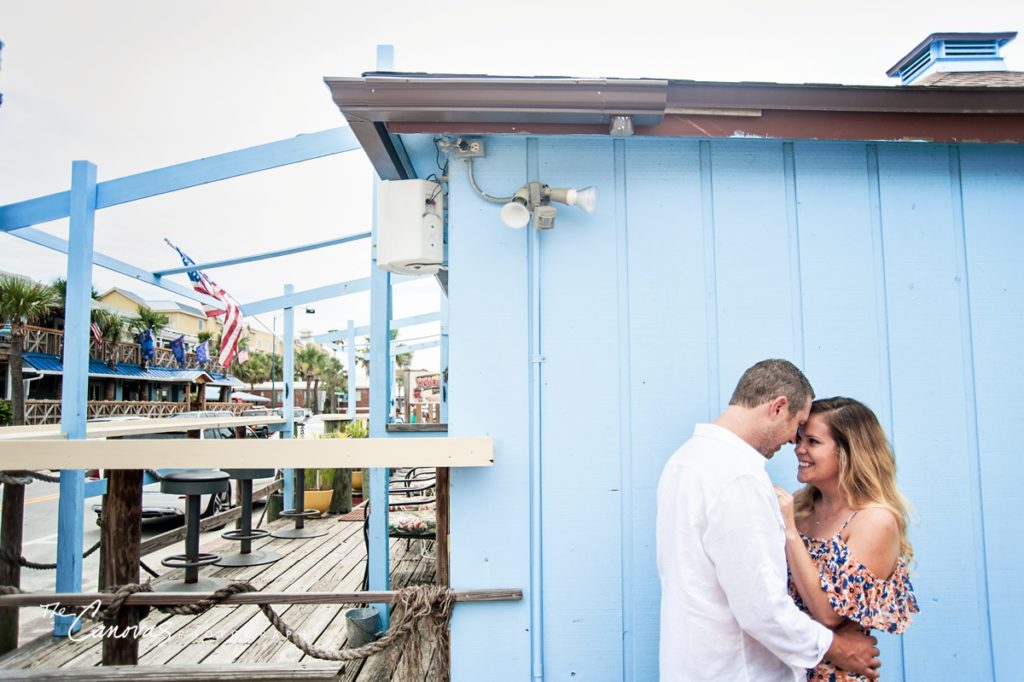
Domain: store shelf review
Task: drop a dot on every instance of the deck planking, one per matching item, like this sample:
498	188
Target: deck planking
241	635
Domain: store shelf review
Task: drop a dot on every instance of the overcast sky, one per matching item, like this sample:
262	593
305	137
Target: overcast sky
133	86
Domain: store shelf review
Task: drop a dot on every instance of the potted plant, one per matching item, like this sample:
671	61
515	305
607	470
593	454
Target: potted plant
319	488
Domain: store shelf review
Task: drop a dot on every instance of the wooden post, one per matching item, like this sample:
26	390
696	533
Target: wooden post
122	534
11	518
441	542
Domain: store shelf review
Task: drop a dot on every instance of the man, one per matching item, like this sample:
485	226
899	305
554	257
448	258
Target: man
725	611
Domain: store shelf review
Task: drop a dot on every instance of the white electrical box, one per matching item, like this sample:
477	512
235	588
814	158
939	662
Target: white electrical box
410	227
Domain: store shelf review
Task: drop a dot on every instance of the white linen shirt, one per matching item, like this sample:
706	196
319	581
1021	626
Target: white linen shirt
725	610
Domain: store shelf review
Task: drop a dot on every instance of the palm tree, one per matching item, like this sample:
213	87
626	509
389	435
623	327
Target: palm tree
112	329
334	379
403	360
307	361
254	371
21	303
147	318
55	320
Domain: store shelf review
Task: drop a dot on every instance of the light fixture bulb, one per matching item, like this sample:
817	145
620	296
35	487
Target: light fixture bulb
585	199
515	214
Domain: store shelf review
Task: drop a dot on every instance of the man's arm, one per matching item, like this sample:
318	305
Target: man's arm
854	651
745	541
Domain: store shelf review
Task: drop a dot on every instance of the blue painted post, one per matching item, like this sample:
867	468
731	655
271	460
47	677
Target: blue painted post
74	400
288	400
444	359
350	352
380	398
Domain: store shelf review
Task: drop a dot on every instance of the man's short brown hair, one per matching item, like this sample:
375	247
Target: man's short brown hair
769	379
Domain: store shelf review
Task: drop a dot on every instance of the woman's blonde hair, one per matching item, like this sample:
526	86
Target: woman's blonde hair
867	465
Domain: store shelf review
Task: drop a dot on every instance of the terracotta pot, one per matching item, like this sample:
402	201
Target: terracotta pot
357	480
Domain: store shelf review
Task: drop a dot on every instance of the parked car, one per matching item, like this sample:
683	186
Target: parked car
262	430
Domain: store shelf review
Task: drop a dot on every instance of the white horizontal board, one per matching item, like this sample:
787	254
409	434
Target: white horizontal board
248	453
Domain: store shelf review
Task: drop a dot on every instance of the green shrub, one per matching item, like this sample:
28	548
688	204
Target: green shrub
6	413
356	429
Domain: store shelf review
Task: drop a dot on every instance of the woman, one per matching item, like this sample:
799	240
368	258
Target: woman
846	530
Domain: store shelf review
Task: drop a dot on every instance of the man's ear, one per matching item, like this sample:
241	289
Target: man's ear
777	405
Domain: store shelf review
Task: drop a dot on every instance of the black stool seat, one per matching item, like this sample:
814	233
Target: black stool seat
246	533
192	484
201	482
250	474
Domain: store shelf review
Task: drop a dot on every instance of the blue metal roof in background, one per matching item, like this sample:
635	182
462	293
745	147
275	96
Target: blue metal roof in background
51	364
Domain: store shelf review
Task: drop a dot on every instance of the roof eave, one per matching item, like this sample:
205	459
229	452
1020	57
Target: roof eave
382	107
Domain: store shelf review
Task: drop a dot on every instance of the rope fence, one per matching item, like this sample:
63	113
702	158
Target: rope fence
422	613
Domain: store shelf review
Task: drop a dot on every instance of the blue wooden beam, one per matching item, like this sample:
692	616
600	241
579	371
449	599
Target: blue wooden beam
291	300
183	175
444	360
75	393
365	329
263	256
350	354
57	244
378	560
288	400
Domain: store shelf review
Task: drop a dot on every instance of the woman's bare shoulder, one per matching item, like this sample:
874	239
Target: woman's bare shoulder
873	537
875	518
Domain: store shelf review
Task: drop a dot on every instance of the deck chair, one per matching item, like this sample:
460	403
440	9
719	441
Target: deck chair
412	509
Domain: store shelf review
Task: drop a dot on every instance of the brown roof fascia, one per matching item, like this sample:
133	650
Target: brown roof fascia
381	107
498	100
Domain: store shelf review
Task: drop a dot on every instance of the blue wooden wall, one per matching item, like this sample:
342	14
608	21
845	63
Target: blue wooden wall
890	272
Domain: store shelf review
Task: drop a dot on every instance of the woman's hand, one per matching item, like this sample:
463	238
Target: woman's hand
786	507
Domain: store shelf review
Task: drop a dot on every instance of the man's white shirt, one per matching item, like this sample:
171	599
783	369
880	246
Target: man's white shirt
725	610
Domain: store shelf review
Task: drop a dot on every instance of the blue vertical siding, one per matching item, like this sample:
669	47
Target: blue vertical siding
891	272
488	342
992	180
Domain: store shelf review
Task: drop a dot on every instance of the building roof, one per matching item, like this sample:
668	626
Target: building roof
976	79
160	306
380	107
41	363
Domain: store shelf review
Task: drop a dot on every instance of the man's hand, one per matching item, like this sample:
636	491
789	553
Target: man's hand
854	651
786	507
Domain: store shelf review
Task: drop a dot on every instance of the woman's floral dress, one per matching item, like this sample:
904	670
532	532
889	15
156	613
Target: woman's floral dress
855	593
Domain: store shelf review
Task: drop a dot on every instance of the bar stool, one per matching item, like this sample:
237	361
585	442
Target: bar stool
192	484
246	534
299	532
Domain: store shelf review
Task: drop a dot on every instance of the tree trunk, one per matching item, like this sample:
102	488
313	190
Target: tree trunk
109	387
17	376
341	500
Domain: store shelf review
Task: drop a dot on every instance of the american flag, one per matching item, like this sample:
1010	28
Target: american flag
232	311
97	333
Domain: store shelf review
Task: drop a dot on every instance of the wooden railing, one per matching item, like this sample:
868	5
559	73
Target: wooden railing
48	411
51	342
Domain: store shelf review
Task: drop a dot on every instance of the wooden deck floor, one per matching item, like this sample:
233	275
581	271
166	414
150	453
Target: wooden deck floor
241	635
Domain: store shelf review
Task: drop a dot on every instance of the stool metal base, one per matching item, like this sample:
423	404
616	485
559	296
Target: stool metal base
256	558
297	533
202	585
